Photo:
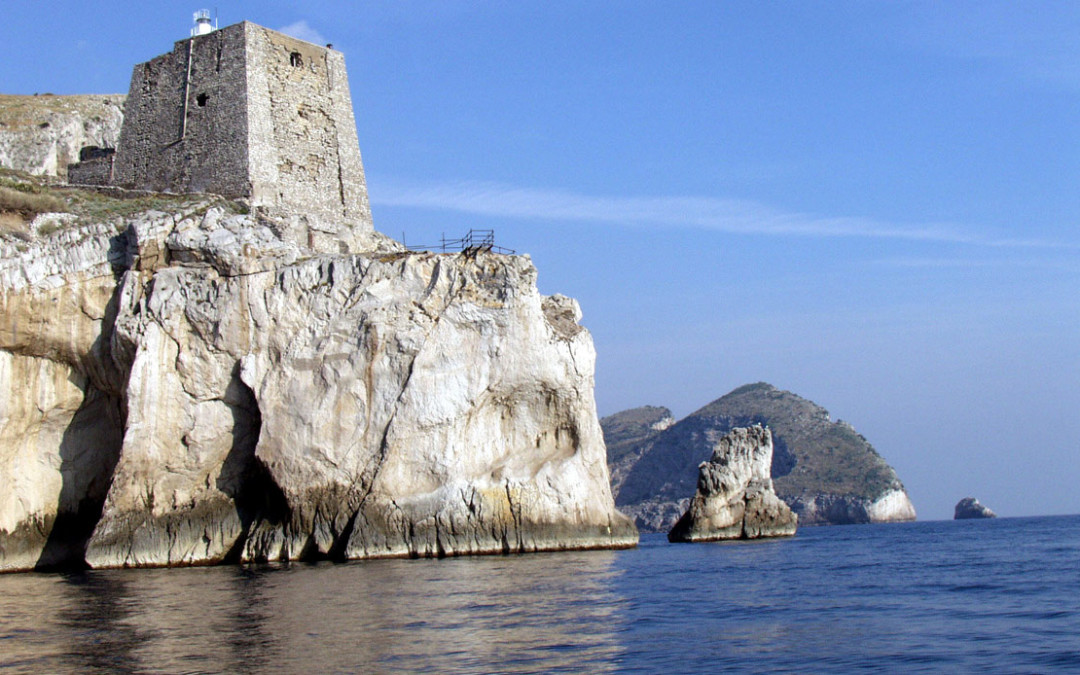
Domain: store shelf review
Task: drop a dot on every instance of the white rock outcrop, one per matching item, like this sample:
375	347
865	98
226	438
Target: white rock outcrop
41	135
894	506
735	497
193	389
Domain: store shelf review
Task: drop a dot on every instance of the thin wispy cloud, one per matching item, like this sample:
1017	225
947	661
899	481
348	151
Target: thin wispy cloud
303	31
734	216
962	263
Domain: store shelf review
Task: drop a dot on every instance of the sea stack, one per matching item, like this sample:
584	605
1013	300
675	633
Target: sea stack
969	508
735	497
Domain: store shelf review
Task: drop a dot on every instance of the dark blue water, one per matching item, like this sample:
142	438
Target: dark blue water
970	596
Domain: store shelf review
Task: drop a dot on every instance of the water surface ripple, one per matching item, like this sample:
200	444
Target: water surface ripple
1000	596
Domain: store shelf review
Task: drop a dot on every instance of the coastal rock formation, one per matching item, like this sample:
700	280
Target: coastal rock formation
970	508
191	379
824	470
190	388
656	515
891	506
735	497
41	135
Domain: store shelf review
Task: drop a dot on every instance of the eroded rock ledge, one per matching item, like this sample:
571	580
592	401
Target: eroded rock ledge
192	388
735	497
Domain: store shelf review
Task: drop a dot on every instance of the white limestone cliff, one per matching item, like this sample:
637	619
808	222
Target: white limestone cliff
190	388
894	506
735	497
41	135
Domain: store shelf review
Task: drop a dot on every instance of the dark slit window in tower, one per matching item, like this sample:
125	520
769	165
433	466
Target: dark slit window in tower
296	60
201	99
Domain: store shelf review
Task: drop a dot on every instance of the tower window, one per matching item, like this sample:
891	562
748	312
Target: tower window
296	60
201	100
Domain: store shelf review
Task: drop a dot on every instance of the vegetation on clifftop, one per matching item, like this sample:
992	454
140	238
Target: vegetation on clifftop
21	111
23	197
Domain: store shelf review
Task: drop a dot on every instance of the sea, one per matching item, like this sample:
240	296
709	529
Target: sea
986	596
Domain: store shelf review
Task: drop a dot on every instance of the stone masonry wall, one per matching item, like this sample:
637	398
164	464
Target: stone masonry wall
245	111
185	120
97	171
304	151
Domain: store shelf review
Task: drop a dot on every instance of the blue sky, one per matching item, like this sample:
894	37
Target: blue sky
873	205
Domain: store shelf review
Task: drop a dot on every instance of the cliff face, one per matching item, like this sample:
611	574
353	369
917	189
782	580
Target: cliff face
824	470
735	497
192	388
41	135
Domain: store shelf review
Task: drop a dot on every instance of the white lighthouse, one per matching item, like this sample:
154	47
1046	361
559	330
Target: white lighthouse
202	23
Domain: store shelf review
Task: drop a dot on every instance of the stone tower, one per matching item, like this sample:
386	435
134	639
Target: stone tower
247	112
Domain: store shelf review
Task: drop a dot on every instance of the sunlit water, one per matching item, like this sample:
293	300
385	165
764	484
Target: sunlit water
995	596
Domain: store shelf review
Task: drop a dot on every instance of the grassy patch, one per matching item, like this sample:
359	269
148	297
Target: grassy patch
23	196
49	227
96	207
13	225
28	204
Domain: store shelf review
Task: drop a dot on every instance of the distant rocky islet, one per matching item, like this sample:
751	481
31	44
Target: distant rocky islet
969	508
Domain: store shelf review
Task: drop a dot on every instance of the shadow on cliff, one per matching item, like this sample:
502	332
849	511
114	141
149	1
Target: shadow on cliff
89	452
91	443
244	477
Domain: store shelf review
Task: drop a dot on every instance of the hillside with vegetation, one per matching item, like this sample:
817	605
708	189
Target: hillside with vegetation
825	470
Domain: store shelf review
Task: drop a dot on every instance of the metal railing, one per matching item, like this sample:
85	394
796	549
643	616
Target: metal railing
474	241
